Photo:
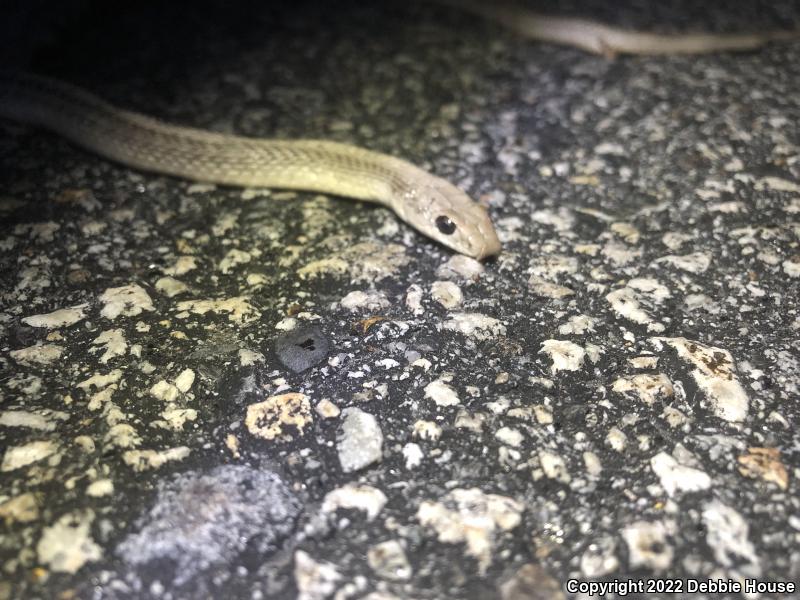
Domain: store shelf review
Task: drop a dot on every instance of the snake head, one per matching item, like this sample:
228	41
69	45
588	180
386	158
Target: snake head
445	213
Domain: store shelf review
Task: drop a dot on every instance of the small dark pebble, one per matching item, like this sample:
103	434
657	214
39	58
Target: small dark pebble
27	336
302	349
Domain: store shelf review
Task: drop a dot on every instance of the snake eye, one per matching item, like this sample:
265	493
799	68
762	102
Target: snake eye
445	225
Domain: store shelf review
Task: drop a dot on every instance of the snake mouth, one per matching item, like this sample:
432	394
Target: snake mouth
491	246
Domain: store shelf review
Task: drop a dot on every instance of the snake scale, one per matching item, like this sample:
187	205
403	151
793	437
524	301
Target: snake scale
428	203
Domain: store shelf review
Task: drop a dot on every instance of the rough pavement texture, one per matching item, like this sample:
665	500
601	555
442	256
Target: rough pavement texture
614	396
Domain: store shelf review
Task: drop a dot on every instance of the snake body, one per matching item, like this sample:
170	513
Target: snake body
600	38
428	203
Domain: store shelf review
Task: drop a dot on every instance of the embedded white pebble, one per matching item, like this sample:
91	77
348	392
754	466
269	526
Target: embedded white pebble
85	443
714	374
142	460
21	508
387	363
63	317
554	466
256	279
578	325
674	417
509	436
414	299
592	463
225	222
727	535
183	264
626	231
619	254
67	545
101	487
441	393
248	357
114	342
41	232
697	262
40	354
471	421
389	561
562	219
16	457
733	206
461	267
566	356
701	301
550	266
625	303
643	362
646	387
164	391
422	363
253	193
676	477
499	406
239	309
176	418
184	380
171	287
315	580
370	300
101	381
413	455
648	544
616	439
286	324
769	257
547	289
353	496
674	240
651	288
327	409
23	418
447	293
610	148
126	301
600	558
233	258
426	430
543	414
361	440
471	516
593	352
777	184
475	325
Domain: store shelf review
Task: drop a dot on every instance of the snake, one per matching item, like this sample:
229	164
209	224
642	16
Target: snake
430	204
600	38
